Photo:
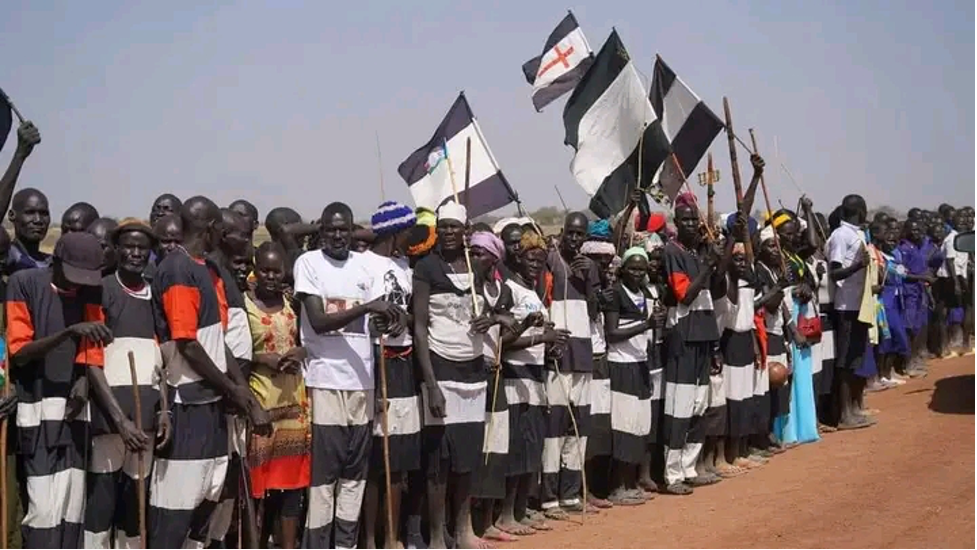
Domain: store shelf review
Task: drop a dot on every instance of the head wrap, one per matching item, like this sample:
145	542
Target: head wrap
632	252
599	229
654	223
488	241
426	217
780	217
501	224
767	234
616	263
729	222
532	241
421	240
392	217
653	243
686	199
597	248
451	210
739	248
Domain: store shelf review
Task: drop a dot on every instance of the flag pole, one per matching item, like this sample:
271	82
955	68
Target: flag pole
710	190
454	191
468	174
737	183
566	210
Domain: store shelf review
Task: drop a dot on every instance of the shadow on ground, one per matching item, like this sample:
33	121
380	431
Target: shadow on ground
954	395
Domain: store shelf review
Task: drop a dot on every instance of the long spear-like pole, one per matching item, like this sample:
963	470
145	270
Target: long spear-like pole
737	183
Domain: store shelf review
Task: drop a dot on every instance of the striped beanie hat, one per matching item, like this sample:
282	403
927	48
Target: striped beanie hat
392	217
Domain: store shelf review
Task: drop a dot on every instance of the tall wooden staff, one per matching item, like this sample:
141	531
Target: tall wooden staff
710	189
140	482
454	190
385	427
766	200
3	461
737	184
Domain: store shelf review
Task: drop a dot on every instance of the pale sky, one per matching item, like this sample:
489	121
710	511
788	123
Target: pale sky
279	102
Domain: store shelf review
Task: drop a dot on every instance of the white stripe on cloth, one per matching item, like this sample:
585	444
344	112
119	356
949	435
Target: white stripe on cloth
341	407
184	484
629	414
30	415
99	540
496	440
403	416
55	499
238	335
562	452
522	391
321	505
600	396
350	499
739	381
109	455
576	50
464	403
685	400
680	463
717	390
657	379
702	302
577	384
148	361
571	315
678	105
828	345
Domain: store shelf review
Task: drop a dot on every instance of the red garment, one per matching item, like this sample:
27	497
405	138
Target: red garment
761	334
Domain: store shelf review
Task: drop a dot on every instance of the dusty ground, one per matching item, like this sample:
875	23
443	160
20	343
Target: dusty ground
907	482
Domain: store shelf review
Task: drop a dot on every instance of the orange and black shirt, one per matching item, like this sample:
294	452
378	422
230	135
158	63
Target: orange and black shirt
36	309
189	304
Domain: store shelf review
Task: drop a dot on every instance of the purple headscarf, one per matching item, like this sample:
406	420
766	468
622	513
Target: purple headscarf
488	241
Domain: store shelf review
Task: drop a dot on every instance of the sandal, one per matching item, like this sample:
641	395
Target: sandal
678	489
599	502
579	508
625	498
539	524
727	471
703	480
515	528
556	514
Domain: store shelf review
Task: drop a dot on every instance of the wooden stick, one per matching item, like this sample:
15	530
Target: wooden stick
140	482
707	224
566	210
3	461
566	393
385	427
766	199
468	256
737	184
383	192
710	191
495	396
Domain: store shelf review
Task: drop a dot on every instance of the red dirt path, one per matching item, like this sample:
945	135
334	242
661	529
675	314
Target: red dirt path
906	482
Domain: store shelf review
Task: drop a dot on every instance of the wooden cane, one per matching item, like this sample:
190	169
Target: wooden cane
710	191
3	463
495	398
766	199
140	483
385	428
737	183
454	190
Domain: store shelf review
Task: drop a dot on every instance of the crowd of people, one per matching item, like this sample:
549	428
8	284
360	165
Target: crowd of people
485	381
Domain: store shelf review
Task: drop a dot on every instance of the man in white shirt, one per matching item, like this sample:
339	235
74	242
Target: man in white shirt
952	280
847	260
334	286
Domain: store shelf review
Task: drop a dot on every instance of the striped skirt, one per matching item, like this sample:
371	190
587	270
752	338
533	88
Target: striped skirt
488	480
824	379
739	372
403	417
454	443
630	410
600	441
525	392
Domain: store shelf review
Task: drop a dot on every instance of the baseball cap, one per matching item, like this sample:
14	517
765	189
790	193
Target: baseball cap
81	258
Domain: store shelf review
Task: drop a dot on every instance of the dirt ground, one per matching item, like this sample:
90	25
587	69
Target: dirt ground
907	482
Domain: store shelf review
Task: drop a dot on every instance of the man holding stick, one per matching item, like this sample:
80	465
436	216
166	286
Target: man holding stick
187	300
55	333
334	286
121	455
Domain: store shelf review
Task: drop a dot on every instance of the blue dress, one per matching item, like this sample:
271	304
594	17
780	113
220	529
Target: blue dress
892	299
800	425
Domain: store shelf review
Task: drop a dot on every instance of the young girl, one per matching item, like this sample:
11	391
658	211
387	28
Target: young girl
627	323
895	349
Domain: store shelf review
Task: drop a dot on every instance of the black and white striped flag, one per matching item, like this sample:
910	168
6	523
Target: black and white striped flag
611	124
689	124
428	172
565	59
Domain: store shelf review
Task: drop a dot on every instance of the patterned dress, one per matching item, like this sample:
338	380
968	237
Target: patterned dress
279	461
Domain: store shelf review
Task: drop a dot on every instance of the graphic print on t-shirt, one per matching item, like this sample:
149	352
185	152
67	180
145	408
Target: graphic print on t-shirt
393	292
335	305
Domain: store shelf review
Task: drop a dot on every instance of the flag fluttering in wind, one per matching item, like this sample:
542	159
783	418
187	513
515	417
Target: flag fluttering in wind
6	118
609	120
565	59
689	124
428	172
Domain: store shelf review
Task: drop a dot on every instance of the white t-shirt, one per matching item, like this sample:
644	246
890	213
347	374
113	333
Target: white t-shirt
957	258
393	281
844	246
340	360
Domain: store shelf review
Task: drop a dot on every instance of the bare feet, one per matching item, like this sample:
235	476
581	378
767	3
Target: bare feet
537	523
728	470
496	534
599	502
513	527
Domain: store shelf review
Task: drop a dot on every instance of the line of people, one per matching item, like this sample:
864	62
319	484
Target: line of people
528	379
